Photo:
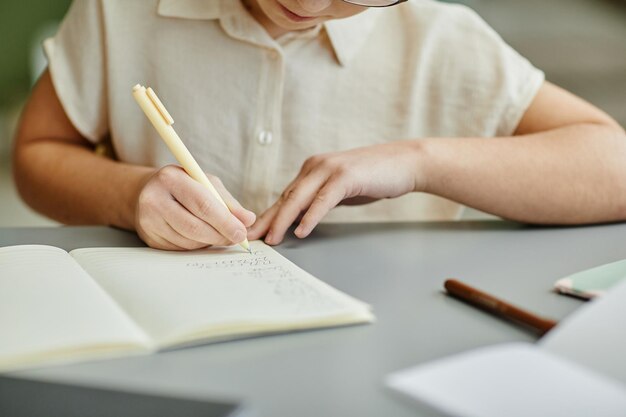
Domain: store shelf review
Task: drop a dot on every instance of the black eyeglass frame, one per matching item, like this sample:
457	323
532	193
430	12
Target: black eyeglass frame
358	3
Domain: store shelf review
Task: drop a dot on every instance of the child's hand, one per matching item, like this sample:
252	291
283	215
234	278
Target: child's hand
356	176
175	212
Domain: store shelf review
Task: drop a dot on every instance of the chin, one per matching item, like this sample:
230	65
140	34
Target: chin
273	10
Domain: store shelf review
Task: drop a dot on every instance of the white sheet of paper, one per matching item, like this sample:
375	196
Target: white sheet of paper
511	380
594	335
173	296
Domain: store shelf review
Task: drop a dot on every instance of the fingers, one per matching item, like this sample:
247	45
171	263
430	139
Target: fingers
177	240
157	242
245	216
331	194
291	204
263	223
159	234
303	192
196	232
154	236
174	212
200	202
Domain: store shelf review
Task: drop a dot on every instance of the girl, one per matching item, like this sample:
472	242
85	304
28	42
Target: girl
306	104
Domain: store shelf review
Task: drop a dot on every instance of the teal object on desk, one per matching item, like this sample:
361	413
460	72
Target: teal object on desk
592	282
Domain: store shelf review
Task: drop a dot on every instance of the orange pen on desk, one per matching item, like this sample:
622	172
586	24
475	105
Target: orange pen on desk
498	307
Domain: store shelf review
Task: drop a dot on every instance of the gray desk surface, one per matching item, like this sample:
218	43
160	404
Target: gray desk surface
399	269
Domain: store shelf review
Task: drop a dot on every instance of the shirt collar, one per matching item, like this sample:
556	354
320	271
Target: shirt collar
347	36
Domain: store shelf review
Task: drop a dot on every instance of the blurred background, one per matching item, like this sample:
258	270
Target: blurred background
580	44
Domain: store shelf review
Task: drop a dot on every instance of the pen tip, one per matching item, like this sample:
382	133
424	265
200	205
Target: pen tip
246	246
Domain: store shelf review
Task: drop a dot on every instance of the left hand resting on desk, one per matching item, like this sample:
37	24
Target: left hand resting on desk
355	176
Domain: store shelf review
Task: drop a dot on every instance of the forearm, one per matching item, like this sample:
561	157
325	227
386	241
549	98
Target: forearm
571	175
73	185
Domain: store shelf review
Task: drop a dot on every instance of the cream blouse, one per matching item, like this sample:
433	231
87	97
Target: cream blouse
251	109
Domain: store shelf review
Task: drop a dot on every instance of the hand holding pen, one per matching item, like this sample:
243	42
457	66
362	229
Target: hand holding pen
181	208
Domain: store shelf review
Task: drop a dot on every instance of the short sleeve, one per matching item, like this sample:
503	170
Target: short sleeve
493	83
513	80
76	61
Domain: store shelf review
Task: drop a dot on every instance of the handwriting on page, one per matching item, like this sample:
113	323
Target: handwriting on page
282	278
256	265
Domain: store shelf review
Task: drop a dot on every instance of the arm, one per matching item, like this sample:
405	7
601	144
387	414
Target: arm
565	165
58	174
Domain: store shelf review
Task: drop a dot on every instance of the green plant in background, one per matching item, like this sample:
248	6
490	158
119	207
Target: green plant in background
20	22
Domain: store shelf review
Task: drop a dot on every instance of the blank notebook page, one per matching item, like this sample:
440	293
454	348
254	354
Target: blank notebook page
50	307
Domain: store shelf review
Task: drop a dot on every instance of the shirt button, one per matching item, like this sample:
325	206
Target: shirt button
265	137
273	54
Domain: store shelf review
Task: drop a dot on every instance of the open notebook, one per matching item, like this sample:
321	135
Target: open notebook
104	302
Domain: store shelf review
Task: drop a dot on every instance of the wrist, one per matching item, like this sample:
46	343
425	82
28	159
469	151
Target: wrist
417	151
136	179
